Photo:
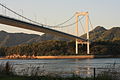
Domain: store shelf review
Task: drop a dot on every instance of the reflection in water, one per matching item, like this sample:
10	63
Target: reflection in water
83	70
88	71
77	71
83	67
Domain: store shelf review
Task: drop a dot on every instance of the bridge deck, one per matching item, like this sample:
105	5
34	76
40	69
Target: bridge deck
26	25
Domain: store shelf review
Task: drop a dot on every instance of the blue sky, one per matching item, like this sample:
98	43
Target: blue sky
102	12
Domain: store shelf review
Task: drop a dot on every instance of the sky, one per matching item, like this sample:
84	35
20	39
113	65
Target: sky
102	12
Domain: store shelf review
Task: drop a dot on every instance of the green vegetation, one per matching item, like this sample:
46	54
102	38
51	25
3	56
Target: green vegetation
102	34
39	49
106	42
55	48
106	47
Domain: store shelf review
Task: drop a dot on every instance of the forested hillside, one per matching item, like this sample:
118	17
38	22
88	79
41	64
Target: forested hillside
56	48
99	33
102	34
13	39
105	42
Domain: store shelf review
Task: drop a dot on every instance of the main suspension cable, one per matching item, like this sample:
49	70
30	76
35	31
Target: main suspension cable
57	26
66	21
19	14
82	27
71	23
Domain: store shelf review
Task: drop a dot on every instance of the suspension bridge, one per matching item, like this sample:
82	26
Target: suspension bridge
36	26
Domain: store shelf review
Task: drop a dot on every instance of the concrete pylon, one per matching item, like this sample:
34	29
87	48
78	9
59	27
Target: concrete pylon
86	29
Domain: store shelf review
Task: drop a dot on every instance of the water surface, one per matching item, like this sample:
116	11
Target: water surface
64	66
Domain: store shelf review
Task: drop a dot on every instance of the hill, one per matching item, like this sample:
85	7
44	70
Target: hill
60	48
97	34
52	37
102	34
111	34
13	39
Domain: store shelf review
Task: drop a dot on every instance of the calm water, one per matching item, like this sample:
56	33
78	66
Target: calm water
64	66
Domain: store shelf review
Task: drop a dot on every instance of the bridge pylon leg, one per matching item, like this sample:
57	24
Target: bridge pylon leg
87	31
88	48
76	47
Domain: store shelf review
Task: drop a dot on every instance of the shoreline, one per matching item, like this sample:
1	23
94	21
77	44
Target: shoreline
64	57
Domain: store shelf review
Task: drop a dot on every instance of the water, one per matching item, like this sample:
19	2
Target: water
82	67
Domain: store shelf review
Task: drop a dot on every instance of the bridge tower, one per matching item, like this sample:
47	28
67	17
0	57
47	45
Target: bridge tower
86	29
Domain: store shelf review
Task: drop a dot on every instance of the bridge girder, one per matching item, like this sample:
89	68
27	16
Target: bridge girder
22	24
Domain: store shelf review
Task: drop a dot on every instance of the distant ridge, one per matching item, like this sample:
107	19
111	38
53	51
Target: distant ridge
99	33
13	39
111	34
